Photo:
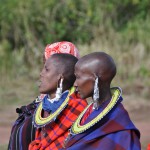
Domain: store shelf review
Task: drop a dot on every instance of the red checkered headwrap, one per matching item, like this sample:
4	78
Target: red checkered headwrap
61	47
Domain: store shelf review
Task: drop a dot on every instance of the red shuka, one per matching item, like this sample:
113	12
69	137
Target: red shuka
57	131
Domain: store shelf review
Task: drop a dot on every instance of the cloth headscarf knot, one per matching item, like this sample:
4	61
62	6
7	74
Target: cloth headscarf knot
61	47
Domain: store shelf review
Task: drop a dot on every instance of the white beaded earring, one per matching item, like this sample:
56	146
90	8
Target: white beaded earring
59	89
96	94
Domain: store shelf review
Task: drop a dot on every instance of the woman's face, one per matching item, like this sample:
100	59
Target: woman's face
48	78
84	82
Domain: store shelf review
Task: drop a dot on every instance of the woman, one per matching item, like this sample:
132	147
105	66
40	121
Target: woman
104	124
23	126
60	106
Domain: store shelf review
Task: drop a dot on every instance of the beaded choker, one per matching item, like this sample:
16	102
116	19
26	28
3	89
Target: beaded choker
78	128
39	121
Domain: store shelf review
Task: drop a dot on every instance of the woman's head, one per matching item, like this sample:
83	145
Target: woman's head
56	67
91	66
60	47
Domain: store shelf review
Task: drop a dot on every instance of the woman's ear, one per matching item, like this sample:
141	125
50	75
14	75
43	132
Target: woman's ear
60	79
59	87
60	76
97	76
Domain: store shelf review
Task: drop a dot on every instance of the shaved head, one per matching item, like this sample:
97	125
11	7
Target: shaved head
99	64
64	64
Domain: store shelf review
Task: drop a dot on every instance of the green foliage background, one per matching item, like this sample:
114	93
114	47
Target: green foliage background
35	22
120	28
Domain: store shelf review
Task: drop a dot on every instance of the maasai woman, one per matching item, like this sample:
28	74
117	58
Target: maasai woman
104	124
23	131
60	107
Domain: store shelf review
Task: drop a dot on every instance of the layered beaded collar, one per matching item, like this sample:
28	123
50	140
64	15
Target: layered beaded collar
39	121
78	128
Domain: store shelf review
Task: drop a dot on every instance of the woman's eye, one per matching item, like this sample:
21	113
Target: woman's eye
46	69
77	77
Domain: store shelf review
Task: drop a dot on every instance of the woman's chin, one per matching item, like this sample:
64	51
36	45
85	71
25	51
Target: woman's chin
81	95
42	91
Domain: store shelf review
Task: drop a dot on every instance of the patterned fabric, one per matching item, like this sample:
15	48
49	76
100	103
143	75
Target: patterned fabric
23	132
114	132
52	107
61	47
86	115
52	136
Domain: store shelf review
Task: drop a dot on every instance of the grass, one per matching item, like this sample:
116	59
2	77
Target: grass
19	91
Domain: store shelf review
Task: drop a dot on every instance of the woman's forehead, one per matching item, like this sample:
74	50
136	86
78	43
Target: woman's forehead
49	63
82	69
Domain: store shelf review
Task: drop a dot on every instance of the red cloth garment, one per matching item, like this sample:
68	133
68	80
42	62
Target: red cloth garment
148	147
87	113
56	132
61	47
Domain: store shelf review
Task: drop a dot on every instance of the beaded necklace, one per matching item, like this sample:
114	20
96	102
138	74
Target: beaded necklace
78	128
39	121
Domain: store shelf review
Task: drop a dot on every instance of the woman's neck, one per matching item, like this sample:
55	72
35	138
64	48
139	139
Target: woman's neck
104	96
52	95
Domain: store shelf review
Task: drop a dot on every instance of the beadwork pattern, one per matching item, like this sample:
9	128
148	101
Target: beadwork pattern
39	121
77	128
